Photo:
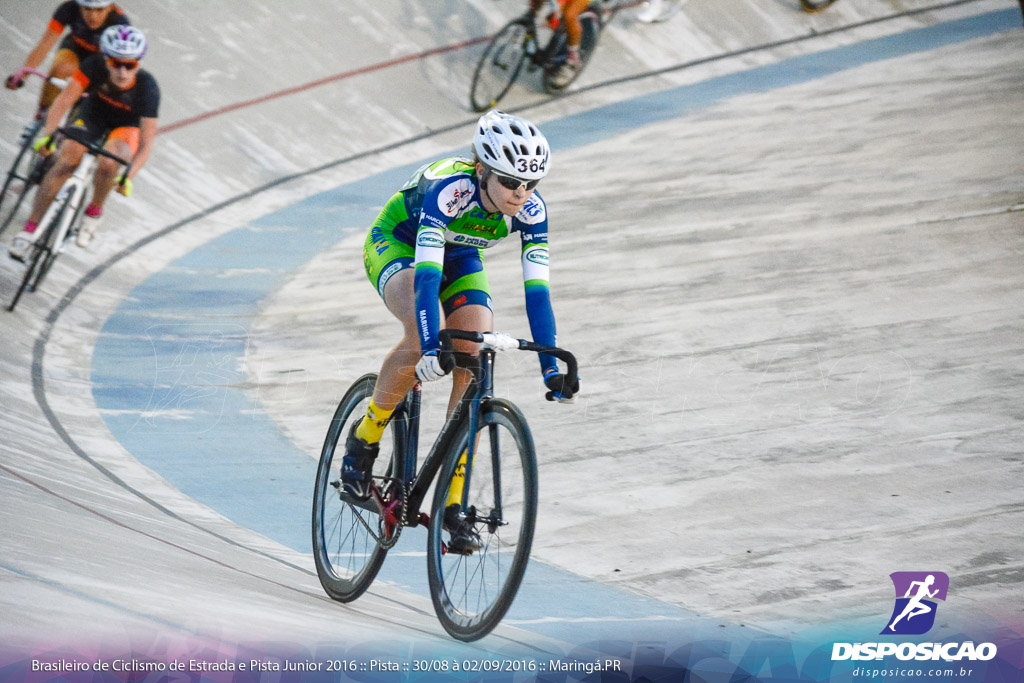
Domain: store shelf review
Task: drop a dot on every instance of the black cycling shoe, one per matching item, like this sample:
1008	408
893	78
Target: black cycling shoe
464	538
357	465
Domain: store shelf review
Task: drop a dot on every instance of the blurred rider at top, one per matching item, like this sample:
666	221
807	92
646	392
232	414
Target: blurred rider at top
120	113
574	35
87	19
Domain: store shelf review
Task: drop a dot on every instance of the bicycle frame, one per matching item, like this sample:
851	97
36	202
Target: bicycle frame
407	414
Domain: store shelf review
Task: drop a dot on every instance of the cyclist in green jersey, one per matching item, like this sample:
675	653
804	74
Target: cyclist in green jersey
423	256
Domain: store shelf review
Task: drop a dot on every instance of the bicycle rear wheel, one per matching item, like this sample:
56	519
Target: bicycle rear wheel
815	5
346	533
472	591
591	25
500	65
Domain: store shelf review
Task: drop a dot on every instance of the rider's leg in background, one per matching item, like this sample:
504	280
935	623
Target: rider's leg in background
573	38
573	29
65	64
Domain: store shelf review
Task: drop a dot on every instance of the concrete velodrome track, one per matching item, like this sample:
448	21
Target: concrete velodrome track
793	278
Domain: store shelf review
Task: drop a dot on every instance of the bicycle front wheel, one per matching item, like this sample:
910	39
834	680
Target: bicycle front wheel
32	273
815	5
347	533
21	178
500	65
472	584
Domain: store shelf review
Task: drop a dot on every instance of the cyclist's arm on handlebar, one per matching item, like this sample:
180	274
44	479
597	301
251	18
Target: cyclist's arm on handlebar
43	47
61	105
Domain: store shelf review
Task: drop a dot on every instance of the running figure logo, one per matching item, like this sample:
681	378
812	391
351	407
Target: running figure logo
914	612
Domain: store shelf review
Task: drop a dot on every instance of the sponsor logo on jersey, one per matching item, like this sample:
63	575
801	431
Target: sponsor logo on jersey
380	242
533	211
386	275
471	241
455	197
538	256
429	238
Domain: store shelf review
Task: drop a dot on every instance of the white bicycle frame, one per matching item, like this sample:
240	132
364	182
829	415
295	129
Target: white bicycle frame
72	193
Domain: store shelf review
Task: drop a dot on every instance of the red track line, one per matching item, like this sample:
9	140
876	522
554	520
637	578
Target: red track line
330	79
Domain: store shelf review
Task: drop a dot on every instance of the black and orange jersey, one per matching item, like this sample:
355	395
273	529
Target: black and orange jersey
111	106
82	40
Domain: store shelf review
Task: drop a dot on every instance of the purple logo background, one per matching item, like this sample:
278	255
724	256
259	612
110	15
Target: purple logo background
915	608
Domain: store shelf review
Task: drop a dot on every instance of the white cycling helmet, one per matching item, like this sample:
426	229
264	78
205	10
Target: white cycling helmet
95	3
123	42
511	146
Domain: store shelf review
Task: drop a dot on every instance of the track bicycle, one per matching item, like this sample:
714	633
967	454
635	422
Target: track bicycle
815	5
518	44
62	218
29	166
487	446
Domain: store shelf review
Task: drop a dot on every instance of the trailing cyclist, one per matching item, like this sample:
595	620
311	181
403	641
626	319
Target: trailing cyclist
423	255
573	37
121	110
87	19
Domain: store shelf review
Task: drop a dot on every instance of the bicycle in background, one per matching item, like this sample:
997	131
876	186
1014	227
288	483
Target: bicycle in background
29	166
62	219
481	521
522	42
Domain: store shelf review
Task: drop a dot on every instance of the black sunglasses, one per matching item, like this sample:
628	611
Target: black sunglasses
510	183
129	64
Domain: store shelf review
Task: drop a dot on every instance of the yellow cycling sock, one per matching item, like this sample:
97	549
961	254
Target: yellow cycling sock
371	429
458	479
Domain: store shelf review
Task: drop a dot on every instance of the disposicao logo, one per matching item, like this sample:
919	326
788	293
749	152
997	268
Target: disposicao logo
914	614
916	593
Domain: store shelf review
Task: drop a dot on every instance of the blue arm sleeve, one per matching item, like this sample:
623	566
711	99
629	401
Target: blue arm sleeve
542	322
532	223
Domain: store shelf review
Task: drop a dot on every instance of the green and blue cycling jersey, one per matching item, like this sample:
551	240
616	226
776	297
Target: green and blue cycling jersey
437	225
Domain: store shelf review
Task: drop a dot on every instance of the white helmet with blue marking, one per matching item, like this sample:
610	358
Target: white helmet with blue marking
511	146
123	42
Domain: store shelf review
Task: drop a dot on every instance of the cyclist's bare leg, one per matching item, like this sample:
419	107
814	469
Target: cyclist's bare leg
107	170
473	317
573	28
398	372
65	63
69	156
